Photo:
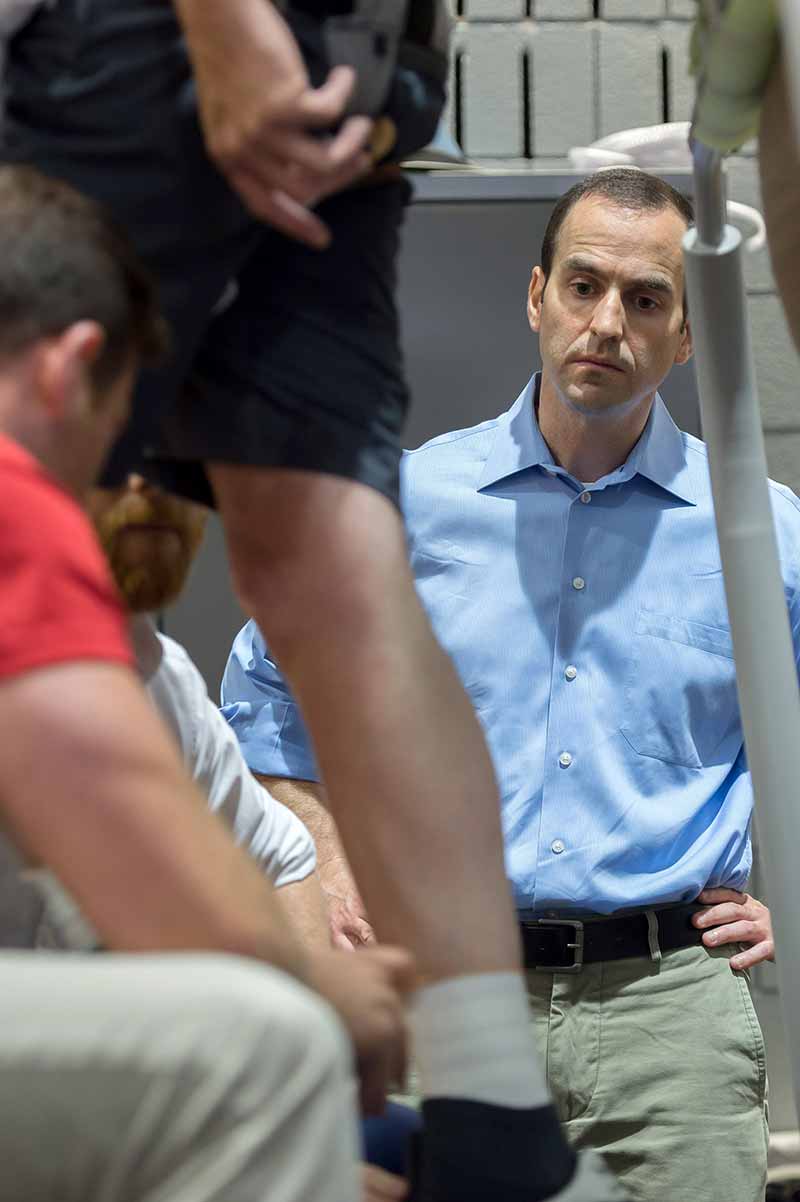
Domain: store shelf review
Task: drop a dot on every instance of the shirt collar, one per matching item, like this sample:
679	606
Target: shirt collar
659	455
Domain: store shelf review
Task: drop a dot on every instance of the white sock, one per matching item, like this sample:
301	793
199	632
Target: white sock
472	1040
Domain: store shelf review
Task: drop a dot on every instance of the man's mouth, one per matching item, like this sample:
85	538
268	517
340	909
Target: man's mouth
149	528
591	361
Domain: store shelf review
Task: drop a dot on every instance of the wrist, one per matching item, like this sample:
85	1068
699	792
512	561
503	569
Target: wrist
335	878
209	18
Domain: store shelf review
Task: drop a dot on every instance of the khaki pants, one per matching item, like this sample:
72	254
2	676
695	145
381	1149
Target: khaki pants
192	1078
660	1066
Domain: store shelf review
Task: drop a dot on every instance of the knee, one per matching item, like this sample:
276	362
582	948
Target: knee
282	1030
333	582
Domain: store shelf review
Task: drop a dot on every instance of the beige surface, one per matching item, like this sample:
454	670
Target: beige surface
185	1078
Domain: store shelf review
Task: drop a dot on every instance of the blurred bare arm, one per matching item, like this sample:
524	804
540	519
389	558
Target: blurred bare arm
303	904
349	925
261	117
92	786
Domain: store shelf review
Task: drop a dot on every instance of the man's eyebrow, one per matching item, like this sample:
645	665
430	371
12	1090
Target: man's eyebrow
648	283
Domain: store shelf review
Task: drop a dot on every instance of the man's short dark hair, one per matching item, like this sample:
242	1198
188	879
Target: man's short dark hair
626	187
63	260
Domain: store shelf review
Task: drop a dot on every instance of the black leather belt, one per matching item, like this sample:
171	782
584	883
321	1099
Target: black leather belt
563	944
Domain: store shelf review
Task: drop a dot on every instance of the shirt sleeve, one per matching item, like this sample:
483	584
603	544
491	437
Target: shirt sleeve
260	709
786	515
271	833
281	843
58	602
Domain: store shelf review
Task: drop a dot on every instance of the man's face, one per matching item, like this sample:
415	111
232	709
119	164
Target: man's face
610	320
150	538
100	421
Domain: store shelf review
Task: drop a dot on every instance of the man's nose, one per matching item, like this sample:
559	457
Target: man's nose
608	317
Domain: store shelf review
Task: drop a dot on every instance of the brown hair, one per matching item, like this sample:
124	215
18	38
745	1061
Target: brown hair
63	260
627	187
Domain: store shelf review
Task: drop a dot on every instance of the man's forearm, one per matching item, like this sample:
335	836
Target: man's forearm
306	799
303	903
111	810
210	14
349	923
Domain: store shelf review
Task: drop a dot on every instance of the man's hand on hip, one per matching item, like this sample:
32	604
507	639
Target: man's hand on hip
734	917
260	114
367	990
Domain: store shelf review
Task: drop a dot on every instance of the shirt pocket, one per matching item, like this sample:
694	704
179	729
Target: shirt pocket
680	692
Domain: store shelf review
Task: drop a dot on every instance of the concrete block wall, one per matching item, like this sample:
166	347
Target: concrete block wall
532	78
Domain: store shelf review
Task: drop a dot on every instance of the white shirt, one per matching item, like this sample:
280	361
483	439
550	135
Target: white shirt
270	832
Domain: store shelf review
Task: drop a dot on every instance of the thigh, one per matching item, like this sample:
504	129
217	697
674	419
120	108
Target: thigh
678	1108
304	371
100	93
189	1078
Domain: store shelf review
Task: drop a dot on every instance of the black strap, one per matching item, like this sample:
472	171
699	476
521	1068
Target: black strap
619	938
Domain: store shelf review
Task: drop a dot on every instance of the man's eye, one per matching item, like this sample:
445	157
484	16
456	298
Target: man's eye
646	304
582	288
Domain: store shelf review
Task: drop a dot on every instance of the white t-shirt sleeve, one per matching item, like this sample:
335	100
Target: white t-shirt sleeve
269	831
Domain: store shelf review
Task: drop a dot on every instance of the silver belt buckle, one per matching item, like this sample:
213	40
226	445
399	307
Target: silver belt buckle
576	947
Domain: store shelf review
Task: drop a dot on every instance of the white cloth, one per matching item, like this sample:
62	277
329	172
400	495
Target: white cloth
268	830
35	911
183	1078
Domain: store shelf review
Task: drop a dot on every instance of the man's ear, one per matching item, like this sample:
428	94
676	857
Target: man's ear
65	361
535	295
686	346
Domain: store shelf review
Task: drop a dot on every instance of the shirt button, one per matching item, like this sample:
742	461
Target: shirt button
570	672
558	845
586	497
565	759
578	583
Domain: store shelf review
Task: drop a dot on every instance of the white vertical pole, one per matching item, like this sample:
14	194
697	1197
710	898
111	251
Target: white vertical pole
769	696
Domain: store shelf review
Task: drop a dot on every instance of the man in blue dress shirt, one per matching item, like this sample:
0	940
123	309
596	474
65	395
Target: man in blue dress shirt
566	553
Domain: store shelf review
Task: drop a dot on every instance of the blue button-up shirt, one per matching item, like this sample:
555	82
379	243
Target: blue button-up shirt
589	626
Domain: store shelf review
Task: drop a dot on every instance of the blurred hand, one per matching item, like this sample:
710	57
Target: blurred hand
349	925
734	917
261	117
367	990
380	1186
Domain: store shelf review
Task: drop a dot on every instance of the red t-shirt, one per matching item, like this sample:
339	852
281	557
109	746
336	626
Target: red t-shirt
58	601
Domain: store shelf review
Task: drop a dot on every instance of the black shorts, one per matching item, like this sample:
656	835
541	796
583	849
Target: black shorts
304	369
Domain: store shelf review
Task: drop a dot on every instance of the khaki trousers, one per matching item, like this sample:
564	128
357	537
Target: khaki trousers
182	1078
660	1066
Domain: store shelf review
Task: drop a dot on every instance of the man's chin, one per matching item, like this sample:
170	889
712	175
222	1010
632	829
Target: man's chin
593	397
144	594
